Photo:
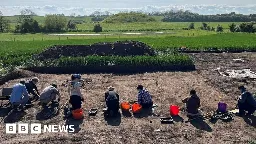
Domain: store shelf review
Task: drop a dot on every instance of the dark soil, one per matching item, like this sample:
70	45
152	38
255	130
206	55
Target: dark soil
19	73
124	48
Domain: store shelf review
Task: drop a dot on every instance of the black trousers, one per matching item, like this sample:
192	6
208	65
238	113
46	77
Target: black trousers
245	107
76	102
147	105
113	105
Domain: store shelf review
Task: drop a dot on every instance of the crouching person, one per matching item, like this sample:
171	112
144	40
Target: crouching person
246	102
144	98
112	101
19	96
49	94
32	88
74	89
192	105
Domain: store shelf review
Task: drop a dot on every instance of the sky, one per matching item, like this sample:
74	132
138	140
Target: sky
87	7
119	3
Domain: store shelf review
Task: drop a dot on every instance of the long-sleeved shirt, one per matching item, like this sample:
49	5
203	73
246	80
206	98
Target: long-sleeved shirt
144	97
111	95
247	98
75	88
192	104
48	91
18	91
30	88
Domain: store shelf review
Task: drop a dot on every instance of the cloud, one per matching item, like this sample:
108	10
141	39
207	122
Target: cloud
201	9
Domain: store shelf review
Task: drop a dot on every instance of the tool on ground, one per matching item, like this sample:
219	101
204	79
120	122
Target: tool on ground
166	120
93	112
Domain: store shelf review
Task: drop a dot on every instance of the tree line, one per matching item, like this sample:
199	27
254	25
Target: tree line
60	23
187	16
52	23
248	27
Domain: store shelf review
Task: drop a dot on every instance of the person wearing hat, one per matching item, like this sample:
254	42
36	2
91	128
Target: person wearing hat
112	100
19	96
49	94
74	89
144	98
32	88
246	102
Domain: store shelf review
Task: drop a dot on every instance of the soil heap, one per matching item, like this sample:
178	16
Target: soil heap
119	48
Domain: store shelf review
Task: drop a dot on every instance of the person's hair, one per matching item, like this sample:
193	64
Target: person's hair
241	87
23	82
35	79
75	76
140	87
192	92
111	88
54	85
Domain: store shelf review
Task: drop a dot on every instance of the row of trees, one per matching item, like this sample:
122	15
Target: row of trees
243	27
187	16
205	26
27	24
4	23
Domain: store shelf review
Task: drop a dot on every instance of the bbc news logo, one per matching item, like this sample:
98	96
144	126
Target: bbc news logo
37	128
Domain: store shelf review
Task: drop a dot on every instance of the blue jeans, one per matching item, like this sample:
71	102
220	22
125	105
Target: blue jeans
22	102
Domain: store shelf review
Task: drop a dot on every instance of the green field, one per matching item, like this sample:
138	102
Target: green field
87	24
16	49
14	52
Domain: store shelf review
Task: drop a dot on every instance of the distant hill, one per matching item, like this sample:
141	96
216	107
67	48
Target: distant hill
129	17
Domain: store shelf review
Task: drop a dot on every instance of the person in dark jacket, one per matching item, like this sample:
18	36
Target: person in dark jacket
112	101
246	102
144	98
192	104
32	90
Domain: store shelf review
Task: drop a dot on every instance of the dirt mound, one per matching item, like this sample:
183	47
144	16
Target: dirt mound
15	75
124	48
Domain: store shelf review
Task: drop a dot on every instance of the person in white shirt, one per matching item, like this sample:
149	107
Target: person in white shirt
49	94
74	89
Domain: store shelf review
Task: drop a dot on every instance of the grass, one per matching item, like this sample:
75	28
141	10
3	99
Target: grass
15	52
149	26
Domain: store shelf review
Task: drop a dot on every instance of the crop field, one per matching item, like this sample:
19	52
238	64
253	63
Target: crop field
152	54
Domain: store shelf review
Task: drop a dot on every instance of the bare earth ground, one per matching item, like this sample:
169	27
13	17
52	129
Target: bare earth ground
166	88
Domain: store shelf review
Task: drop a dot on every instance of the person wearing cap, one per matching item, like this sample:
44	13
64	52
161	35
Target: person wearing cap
74	89
246	102
32	88
192	104
49	94
19	96
112	100
144	98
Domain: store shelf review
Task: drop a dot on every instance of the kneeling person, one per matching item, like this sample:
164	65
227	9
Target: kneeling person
49	94
19	96
112	101
192	104
246	102
144	98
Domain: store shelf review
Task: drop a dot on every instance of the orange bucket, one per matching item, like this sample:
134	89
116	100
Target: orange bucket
125	106
77	114
174	110
136	108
